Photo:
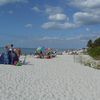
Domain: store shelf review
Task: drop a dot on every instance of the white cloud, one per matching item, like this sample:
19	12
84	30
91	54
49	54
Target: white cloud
89	11
36	9
60	38
58	20
3	2
28	25
53	10
58	17
86	18
82	37
58	25
49	38
89	6
86	3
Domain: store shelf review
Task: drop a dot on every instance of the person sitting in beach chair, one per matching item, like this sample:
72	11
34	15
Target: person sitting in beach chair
41	54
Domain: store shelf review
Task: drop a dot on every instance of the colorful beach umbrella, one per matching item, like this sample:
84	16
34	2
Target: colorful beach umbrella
39	49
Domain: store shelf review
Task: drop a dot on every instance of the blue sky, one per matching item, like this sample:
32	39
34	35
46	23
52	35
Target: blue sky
56	23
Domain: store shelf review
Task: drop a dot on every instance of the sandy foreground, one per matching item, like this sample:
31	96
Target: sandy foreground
59	78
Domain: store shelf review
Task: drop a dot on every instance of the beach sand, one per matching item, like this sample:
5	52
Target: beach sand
59	78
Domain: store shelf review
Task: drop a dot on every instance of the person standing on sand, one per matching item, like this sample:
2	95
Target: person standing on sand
11	54
5	55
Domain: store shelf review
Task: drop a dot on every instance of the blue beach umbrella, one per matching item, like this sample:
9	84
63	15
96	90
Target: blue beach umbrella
39	49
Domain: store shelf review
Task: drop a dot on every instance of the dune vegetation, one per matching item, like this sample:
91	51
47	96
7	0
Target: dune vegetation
94	48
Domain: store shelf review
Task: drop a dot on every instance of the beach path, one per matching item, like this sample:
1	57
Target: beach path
59	78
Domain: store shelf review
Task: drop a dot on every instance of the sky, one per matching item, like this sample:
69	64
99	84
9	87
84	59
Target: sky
49	23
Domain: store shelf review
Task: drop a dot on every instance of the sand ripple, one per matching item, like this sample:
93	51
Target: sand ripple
56	79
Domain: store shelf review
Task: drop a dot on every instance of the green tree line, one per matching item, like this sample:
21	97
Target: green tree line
94	48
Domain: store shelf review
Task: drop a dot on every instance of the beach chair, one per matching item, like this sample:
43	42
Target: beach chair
22	61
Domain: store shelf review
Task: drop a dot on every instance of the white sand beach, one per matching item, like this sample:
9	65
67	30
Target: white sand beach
49	79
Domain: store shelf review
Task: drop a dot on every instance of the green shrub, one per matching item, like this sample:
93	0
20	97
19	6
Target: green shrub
97	42
90	43
94	52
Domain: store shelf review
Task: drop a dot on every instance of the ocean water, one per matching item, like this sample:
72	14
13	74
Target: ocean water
23	50
28	50
32	50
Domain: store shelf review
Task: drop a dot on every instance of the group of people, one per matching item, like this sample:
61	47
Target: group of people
10	55
45	53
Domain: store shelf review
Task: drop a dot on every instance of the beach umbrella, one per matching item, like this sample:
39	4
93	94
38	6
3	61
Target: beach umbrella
43	49
48	50
39	49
